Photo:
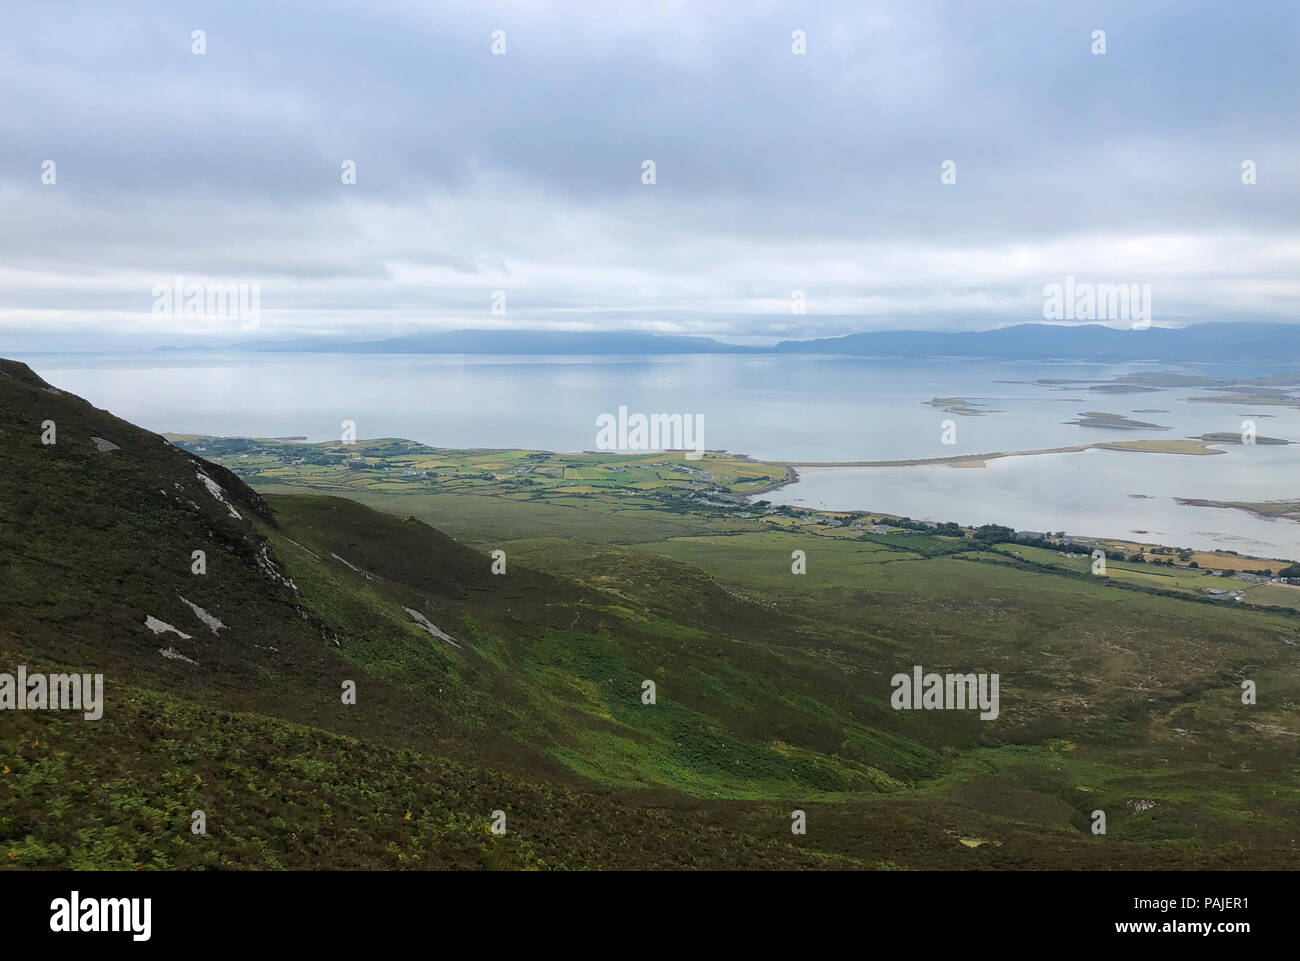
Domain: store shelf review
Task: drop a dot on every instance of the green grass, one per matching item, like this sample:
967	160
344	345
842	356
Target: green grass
772	688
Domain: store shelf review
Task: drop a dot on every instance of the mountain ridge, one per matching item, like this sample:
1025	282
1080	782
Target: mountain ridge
1198	343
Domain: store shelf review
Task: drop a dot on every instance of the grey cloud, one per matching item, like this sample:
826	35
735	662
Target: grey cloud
774	171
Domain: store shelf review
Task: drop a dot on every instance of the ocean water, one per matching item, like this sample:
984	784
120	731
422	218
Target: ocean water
794	408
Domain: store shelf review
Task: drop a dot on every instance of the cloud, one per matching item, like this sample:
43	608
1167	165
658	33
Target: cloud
522	172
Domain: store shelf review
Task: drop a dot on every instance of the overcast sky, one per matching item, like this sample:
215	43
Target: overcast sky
522	172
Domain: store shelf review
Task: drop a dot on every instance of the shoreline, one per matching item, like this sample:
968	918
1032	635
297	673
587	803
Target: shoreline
1271	511
1287	510
1189	447
791	477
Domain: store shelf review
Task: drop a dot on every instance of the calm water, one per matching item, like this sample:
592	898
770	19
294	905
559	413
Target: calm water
782	408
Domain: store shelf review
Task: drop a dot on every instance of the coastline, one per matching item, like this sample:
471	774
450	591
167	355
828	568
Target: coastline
1189	447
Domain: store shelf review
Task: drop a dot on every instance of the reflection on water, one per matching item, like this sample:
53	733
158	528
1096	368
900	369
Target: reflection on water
799	408
1091	493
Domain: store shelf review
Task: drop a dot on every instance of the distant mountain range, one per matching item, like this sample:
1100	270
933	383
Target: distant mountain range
1244	342
513	342
1202	342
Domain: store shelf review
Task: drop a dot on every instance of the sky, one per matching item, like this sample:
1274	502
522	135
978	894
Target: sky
522	171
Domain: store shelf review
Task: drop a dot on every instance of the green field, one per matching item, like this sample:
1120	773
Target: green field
522	692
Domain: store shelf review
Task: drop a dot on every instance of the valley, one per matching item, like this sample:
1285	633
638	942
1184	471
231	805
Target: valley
1120	694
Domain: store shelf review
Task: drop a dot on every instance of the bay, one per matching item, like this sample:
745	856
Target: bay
773	407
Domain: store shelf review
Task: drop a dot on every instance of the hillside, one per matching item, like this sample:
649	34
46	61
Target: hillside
522	691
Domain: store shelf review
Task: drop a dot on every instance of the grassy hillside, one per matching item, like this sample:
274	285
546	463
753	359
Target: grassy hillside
522	692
